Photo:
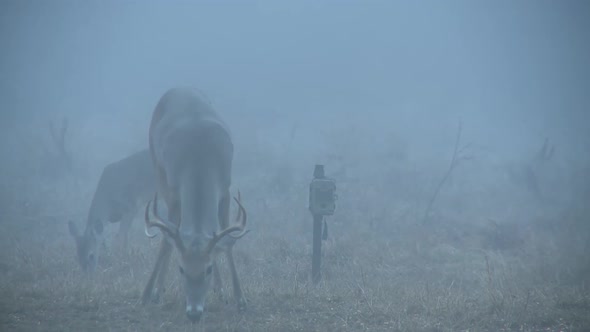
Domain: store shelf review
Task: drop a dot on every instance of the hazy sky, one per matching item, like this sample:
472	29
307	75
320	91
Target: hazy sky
520	66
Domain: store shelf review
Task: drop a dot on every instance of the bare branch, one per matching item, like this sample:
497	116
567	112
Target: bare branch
458	156
59	140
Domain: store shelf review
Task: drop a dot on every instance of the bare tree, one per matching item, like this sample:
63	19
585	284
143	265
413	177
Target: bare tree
59	141
459	155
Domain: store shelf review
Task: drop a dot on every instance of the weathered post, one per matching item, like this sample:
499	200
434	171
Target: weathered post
322	202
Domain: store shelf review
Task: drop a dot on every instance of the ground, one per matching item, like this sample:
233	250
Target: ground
374	279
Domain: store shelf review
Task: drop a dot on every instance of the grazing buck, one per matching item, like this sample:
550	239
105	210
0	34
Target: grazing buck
123	186
192	152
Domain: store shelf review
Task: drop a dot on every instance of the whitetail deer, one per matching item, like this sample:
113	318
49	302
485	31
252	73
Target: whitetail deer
192	152
123	187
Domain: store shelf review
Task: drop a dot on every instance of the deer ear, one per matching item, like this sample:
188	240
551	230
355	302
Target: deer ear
73	229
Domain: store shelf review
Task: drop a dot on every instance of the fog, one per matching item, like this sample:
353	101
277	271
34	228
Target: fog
376	91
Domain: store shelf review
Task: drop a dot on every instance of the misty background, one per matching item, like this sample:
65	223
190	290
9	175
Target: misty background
302	82
375	90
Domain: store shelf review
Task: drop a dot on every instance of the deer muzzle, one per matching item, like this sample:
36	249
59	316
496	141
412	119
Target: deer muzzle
194	313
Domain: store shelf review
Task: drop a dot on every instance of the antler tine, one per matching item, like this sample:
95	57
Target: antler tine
156	221
239	210
241	214
147	221
240	227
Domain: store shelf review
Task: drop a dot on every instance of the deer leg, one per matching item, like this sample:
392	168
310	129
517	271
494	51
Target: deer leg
235	280
224	222
174	216
123	236
163	269
148	293
217	284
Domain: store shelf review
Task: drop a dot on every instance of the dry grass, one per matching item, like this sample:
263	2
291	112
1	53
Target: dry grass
377	277
382	269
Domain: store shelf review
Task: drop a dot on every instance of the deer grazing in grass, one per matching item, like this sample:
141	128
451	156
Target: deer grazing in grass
123	187
192	152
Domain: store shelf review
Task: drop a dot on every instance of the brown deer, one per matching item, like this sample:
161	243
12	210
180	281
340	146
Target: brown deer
123	186
192	152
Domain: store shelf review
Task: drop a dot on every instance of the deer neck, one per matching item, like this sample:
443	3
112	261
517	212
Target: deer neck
200	193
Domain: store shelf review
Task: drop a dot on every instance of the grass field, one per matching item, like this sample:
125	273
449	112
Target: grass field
457	132
382	271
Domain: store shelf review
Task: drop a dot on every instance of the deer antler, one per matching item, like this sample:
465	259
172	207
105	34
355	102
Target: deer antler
238	217
155	221
239	227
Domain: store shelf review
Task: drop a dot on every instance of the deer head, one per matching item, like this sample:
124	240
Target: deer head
87	244
197	253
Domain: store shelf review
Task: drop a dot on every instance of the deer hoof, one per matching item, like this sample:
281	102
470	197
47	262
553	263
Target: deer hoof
153	297
145	298
242	305
220	295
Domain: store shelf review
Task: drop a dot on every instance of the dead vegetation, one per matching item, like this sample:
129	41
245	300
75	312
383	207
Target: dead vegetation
383	270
